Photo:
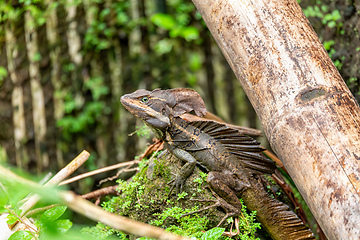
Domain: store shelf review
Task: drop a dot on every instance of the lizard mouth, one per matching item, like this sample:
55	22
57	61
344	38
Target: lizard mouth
143	111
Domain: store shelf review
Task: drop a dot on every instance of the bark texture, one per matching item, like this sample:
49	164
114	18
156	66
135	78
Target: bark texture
309	115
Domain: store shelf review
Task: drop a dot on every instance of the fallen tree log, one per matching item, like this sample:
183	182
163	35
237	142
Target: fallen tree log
309	115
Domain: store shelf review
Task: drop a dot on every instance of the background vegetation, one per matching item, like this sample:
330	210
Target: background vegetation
64	65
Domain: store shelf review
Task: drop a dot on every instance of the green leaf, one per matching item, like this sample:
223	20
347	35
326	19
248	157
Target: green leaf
3	73
52	214
63	225
21	235
163	20
175	32
11	219
190	33
122	18
191	80
183	19
328	44
331	24
164	46
213	234
195	61
37	57
3	200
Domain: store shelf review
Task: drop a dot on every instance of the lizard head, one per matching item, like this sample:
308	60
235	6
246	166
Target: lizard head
155	107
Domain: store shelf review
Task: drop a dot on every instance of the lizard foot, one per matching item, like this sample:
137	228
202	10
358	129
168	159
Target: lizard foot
229	209
177	183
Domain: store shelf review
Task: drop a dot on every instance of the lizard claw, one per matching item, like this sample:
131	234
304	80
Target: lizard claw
177	182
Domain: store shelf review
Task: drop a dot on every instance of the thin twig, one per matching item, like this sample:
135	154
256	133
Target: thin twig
157	145
125	169
97	171
117	222
45	178
274	158
86	208
61	175
101	192
152	149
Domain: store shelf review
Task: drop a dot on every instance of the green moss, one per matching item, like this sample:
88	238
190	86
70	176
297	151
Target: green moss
161	170
149	201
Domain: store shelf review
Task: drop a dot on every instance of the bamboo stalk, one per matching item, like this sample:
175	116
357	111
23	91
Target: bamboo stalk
17	98
74	41
53	37
37	94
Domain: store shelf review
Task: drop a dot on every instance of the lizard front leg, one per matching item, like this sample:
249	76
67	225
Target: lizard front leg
186	170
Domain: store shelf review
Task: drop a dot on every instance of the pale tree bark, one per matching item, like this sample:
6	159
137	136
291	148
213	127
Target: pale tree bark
91	9
309	115
74	50
17	98
53	39
135	34
37	94
74	41
114	59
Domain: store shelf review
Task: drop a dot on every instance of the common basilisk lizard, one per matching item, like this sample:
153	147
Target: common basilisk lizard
233	161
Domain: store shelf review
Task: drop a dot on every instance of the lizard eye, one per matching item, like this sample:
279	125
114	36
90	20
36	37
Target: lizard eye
145	99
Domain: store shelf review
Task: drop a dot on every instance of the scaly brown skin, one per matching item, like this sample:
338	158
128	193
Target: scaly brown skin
233	160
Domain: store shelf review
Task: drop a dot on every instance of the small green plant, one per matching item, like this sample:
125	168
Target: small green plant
329	19
81	115
182	195
248	224
192	225
3	75
142	131
213	234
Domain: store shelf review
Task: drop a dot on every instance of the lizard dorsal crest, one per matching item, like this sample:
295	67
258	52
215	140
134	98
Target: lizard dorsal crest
244	148
186	100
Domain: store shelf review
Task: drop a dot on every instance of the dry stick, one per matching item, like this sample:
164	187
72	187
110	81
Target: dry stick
101	192
126	169
97	171
86	208
62	174
274	158
45	178
96	213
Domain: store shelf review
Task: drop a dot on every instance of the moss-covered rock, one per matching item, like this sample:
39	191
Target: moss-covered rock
146	198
